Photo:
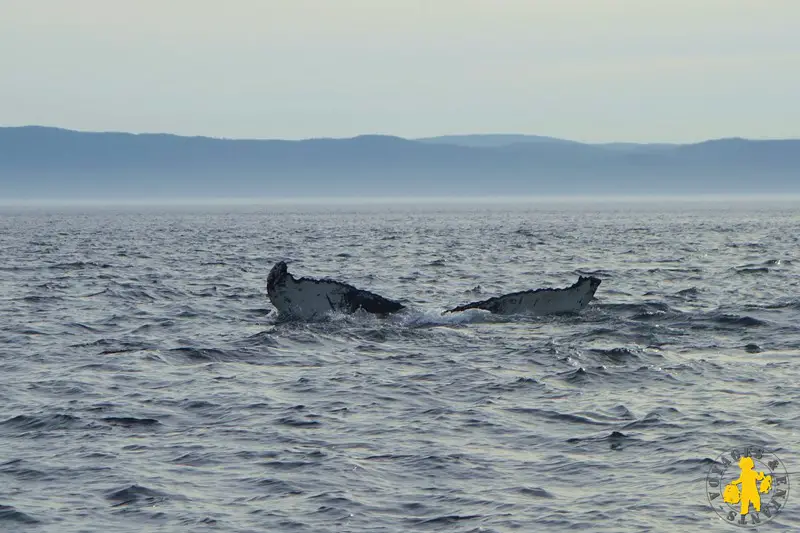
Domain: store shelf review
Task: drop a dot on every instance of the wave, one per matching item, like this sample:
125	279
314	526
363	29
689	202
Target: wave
138	494
129	421
11	514
41	422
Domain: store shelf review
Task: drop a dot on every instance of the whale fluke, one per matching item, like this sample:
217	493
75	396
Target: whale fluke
309	298
539	301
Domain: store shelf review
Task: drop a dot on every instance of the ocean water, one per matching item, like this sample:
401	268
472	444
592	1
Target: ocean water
146	384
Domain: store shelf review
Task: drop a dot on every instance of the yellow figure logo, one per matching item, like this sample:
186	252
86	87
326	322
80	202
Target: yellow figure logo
759	491
749	492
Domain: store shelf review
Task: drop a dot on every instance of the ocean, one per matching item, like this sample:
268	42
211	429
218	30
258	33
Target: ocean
147	385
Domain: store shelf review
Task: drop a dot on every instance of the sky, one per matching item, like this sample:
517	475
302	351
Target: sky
588	70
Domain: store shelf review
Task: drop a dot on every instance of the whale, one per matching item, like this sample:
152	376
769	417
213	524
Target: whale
309	298
539	301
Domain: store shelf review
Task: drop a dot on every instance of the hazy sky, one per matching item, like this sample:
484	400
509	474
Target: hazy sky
594	70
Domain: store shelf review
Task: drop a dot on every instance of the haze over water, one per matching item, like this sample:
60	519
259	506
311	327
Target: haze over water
147	385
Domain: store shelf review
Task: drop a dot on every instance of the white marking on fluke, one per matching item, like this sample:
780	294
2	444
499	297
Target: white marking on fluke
308	298
540	301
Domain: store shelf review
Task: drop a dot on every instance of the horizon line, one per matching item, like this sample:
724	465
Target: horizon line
390	135
560	199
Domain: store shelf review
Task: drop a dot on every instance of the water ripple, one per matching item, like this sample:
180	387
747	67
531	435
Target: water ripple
148	385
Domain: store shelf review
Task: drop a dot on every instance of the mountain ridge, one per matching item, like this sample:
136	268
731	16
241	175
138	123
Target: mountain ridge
68	163
510	138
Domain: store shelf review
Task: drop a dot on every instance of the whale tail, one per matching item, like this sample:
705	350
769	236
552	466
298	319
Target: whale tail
540	301
311	298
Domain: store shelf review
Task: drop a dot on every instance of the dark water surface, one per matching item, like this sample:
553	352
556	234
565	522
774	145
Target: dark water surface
146	385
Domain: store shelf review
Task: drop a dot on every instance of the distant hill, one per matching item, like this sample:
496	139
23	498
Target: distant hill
492	141
41	162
